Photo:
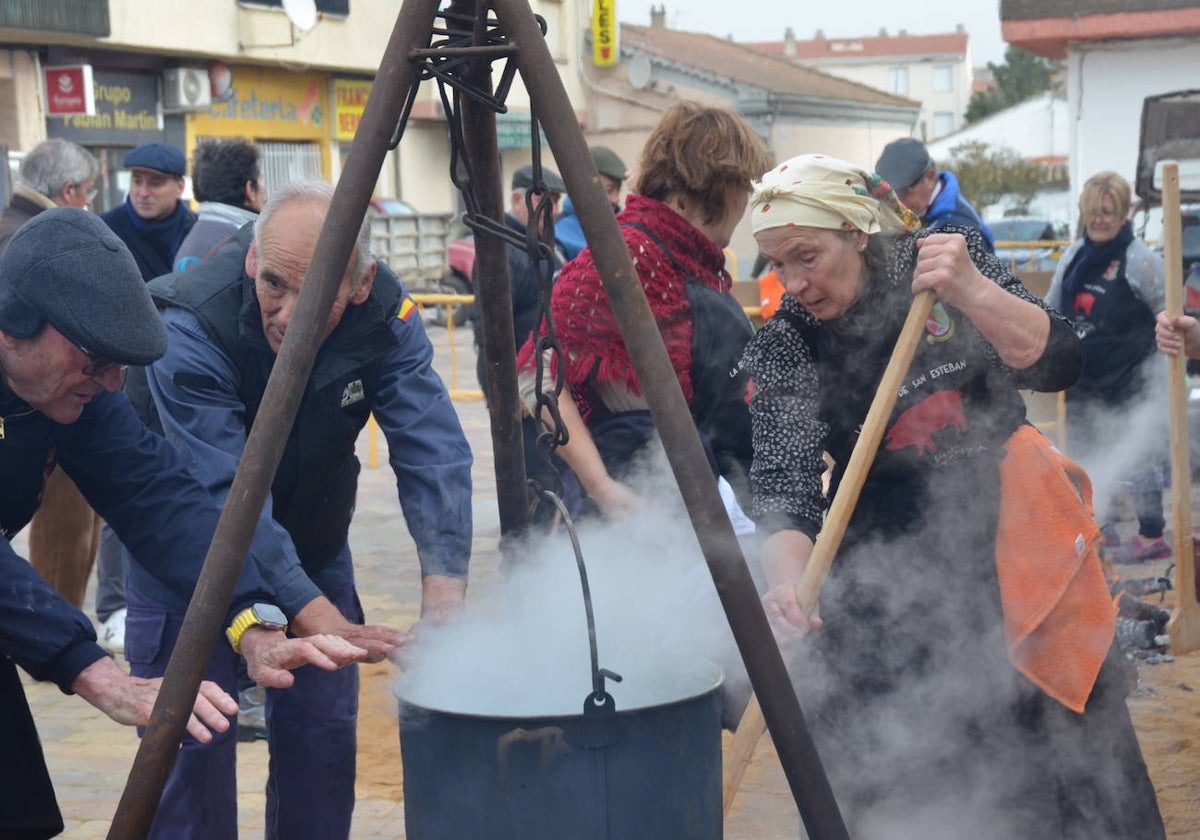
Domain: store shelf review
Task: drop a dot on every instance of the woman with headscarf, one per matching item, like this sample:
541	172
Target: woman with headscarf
690	192
960	679
1110	284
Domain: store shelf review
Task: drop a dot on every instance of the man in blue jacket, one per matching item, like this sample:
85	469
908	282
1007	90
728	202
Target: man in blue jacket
932	195
73	313
226	319
613	172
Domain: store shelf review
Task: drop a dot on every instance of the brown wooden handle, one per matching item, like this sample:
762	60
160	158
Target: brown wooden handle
808	590
1184	626
752	724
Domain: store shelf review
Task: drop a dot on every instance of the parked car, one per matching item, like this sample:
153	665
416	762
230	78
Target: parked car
1189	239
390	207
460	254
1047	239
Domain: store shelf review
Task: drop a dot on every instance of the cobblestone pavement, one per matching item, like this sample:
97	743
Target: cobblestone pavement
90	757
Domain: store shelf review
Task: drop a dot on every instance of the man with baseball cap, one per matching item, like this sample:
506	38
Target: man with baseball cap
612	173
153	220
932	195
73	313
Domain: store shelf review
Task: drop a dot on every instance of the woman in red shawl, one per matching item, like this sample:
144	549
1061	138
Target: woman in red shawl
691	190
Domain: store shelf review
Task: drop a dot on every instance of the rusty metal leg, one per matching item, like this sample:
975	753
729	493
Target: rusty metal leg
769	677
264	447
495	296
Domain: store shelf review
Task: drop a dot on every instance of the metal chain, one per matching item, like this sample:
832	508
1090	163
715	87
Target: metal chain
445	62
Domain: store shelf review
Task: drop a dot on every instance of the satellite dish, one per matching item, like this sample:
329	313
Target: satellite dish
302	13
639	72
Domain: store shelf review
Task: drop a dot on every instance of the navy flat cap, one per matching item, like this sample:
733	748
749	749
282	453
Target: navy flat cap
161	157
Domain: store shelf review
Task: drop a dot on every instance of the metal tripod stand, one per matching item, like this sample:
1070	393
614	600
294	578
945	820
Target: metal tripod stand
412	54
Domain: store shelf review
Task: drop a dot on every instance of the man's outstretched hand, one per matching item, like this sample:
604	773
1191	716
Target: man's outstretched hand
271	656
130	700
320	616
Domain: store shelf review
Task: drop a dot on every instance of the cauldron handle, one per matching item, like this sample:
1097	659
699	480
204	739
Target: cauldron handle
599	703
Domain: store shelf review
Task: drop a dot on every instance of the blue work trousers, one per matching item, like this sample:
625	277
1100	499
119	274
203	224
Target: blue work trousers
310	733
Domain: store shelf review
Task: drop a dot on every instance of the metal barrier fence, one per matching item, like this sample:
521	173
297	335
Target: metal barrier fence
1055	426
1040	254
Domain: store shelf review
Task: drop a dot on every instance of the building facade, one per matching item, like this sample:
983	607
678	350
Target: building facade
934	70
1117	53
795	109
181	70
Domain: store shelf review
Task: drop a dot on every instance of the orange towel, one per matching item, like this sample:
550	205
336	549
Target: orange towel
1059	616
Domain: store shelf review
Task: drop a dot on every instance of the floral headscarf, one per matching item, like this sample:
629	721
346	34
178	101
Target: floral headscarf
824	192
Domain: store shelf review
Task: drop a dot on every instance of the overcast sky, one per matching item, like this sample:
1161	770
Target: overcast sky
766	21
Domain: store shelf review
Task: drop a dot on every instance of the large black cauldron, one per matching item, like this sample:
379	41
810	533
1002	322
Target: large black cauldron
651	772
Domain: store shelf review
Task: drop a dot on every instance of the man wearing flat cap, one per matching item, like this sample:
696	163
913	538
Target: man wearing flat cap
612	172
74	312
153	222
65	532
154	219
932	195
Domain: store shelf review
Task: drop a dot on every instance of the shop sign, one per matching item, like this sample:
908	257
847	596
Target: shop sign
267	103
125	114
349	100
512	131
604	33
69	90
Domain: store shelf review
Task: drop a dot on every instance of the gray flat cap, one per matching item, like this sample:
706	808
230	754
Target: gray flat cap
903	162
66	266
523	180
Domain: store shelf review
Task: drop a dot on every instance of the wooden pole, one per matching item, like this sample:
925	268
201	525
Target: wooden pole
1184	626
808	591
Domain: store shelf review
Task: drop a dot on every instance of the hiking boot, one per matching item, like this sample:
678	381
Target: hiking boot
1141	550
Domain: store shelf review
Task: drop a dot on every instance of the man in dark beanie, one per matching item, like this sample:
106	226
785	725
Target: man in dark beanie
73	313
153	220
932	195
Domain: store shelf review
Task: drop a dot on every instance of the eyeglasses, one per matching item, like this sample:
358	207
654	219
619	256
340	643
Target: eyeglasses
91	193
98	366
1105	215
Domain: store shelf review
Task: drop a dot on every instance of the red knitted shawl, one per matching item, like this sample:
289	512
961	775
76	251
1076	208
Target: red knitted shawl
587	331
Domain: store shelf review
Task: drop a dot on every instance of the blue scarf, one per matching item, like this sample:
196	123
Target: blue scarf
163	236
1092	260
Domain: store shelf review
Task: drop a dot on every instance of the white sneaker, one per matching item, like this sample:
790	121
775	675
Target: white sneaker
112	632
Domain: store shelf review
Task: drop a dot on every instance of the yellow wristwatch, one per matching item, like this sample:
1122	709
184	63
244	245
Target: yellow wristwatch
256	615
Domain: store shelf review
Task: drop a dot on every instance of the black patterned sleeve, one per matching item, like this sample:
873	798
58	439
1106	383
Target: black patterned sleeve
1062	360
785	478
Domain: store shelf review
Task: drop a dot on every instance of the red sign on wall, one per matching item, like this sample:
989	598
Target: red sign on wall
69	90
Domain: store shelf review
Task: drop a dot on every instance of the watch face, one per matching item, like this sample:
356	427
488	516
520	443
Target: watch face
269	614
